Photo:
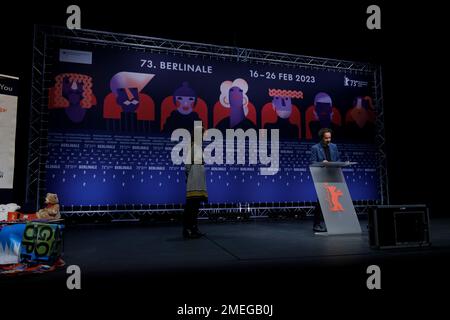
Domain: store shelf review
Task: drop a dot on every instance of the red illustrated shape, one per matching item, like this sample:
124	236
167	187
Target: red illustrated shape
333	195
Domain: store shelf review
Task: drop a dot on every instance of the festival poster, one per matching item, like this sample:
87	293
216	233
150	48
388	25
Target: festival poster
8	119
112	113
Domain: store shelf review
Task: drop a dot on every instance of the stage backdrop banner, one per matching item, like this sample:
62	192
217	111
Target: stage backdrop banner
111	113
8	118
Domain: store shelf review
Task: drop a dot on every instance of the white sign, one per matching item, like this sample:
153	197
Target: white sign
75	56
8	119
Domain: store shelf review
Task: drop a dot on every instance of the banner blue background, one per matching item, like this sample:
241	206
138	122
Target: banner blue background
100	161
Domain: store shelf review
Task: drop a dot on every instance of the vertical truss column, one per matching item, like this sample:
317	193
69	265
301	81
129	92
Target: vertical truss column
380	136
34	142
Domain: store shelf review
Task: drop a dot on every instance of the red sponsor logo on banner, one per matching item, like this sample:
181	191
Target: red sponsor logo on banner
333	195
2	109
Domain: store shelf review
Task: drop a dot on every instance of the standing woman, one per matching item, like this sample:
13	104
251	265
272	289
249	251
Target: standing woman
195	194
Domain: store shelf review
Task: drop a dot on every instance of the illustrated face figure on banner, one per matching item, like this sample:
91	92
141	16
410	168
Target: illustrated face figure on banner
184	99
233	95
127	86
184	104
128	99
73	92
359	113
236	104
323	109
282	106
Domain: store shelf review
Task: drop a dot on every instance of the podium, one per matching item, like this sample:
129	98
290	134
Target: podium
334	197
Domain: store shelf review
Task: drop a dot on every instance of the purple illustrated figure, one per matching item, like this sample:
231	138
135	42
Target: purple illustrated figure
70	100
234	96
185	99
288	121
73	92
323	114
128	99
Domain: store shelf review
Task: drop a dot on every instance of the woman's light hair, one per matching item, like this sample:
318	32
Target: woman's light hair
225	92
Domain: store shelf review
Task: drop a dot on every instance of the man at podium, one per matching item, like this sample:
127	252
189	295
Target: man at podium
324	151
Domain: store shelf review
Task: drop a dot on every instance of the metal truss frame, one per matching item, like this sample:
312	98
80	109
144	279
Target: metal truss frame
215	214
380	136
45	37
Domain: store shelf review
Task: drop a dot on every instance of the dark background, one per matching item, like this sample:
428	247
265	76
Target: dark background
409	47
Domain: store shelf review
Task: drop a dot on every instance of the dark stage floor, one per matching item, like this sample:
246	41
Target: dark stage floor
260	261
160	248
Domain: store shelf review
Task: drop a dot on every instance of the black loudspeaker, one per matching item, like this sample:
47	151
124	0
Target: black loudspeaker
394	226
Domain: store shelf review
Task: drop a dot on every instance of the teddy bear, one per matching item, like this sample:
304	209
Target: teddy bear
51	210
